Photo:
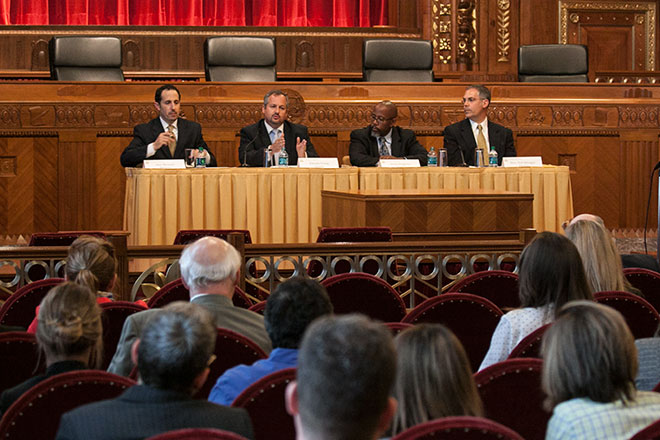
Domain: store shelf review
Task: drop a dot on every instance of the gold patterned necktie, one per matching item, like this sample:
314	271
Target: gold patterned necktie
172	145
481	142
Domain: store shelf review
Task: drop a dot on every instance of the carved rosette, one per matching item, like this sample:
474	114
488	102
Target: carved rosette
441	30
74	115
567	115
638	116
10	117
466	32
296	110
502	114
503	33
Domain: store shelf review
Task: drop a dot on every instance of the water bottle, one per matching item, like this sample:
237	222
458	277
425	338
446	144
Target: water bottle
432	158
492	157
201	159
284	158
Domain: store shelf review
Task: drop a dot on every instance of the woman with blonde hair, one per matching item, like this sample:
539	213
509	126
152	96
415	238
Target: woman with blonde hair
69	335
589	368
90	262
433	379
601	259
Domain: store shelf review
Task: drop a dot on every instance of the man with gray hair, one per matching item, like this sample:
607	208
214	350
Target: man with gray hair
173	355
210	269
274	132
346	368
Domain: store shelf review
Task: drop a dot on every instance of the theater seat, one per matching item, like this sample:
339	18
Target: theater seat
85	59
398	60
553	63
239	59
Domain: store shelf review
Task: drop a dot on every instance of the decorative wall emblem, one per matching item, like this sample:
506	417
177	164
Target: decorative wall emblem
503	34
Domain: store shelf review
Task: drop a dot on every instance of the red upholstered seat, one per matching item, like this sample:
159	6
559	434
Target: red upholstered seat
264	401
197	434
651	432
259	307
36	414
647	281
512	395
459	428
499	286
641	317
360	292
472	318
19	309
20	358
530	345
114	315
176	291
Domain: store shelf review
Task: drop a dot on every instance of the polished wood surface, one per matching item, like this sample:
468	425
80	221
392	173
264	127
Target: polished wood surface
422	214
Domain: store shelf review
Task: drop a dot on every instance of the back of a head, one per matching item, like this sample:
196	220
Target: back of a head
91	262
588	352
551	273
434	378
346	368
602	262
70	323
209	260
175	346
291	308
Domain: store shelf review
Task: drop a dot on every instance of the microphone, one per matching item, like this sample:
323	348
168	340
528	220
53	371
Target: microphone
460	150
244	161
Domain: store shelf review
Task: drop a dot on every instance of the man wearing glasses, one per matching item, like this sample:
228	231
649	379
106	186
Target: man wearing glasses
383	140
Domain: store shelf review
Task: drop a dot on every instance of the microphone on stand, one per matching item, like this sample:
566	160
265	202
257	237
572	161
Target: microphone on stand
460	150
244	161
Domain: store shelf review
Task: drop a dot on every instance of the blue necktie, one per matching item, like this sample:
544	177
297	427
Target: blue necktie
383	146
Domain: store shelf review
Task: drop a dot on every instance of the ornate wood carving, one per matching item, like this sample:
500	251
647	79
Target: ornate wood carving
441	30
466	32
503	33
638	116
7	167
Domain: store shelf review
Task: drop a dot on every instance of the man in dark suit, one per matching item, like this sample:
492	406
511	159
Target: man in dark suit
383	140
274	132
463	138
173	356
209	269
167	136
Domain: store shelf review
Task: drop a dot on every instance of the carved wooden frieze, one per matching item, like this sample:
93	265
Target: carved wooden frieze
503	32
441	30
111	115
74	115
304	56
466	32
37	116
219	115
350	115
10	117
567	115
503	114
139	114
8	166
638	116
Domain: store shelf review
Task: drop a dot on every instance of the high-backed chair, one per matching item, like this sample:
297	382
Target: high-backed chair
114	315
512	395
185	236
264	401
459	428
386	60
176	291
641	317
19	309
553	63
647	281
20	358
85	59
36	414
651	432
197	434
499	286
472	318
240	59
530	345
364	293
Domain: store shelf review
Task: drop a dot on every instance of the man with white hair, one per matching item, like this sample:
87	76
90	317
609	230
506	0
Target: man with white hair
210	269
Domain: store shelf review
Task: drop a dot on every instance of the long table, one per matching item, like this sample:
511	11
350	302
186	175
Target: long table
283	205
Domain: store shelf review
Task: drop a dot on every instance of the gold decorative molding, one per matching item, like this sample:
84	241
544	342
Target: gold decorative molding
466	17
503	33
648	19
441	30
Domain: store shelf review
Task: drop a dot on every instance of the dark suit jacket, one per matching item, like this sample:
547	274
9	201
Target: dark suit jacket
189	136
364	147
142	411
459	137
255	138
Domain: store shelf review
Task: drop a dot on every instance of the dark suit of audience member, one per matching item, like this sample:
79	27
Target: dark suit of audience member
173	355
255	139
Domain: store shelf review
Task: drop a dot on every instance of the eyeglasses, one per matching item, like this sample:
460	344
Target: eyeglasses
211	360
380	119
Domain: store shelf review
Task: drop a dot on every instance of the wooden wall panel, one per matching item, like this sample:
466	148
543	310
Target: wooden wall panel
110	183
76	180
538	22
45	164
637	147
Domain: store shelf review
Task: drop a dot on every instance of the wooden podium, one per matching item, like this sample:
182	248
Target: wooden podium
432	214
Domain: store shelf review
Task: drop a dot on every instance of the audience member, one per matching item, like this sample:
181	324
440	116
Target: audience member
463	138
551	274
210	270
69	335
384	140
289	310
601	259
90	262
346	369
589	368
173	355
274	132
648	356
433	377
168	135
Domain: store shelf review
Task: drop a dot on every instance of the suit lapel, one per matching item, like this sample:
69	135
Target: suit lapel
373	144
182	140
494	135
264	139
468	136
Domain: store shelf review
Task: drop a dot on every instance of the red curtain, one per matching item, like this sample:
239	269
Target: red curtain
332	13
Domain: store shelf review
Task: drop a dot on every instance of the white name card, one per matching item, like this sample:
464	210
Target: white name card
524	161
399	163
318	162
164	164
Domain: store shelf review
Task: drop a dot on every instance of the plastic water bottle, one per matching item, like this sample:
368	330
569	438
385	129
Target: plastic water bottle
284	158
201	160
492	157
432	158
